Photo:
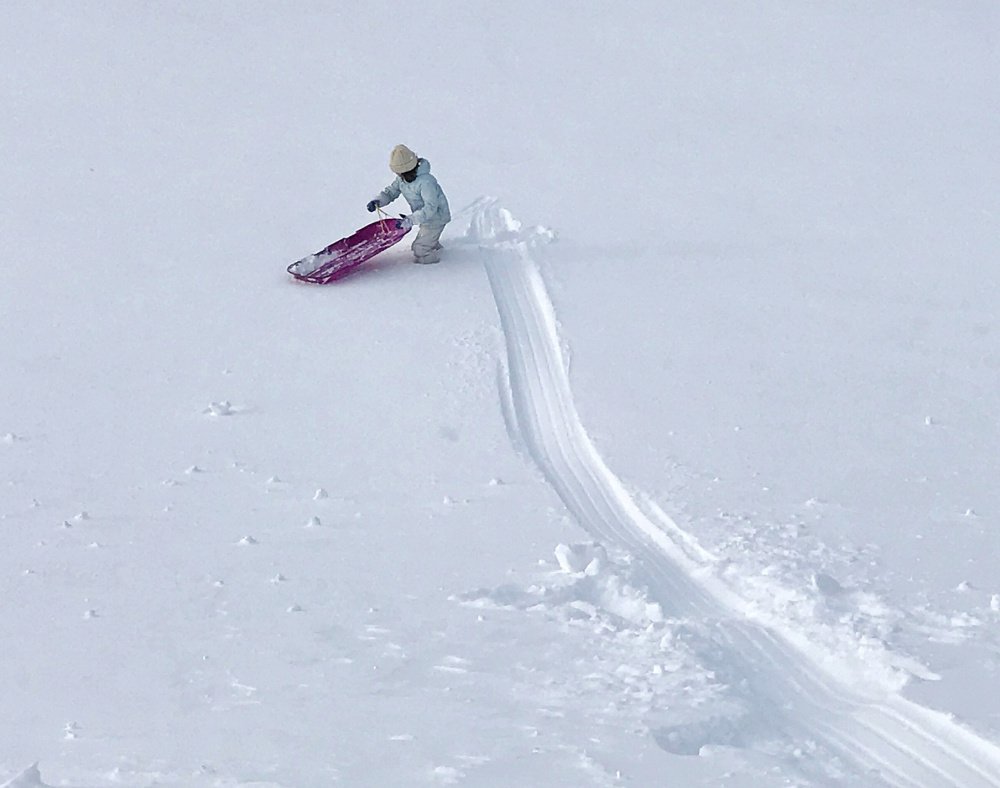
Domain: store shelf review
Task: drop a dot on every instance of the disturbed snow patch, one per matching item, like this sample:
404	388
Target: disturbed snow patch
829	594
587	585
642	670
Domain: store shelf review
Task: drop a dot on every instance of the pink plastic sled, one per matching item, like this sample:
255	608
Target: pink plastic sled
343	256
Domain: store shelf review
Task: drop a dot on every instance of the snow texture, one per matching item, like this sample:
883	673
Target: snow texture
679	469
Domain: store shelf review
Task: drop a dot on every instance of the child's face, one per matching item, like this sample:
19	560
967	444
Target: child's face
409	176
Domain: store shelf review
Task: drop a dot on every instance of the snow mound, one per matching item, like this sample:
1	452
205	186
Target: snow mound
29	778
487	223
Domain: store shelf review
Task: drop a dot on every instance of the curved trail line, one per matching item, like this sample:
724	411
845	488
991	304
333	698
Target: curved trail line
864	735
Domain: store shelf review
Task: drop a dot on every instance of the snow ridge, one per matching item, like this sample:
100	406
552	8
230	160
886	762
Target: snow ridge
832	696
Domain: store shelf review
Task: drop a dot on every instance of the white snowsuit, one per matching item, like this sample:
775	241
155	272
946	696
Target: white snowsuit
429	209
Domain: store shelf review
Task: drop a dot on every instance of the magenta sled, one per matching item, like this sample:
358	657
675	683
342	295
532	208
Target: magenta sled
343	256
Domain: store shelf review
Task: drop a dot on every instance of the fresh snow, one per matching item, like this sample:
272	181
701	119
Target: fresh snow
680	469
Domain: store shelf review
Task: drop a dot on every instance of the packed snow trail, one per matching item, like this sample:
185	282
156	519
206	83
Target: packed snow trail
869	736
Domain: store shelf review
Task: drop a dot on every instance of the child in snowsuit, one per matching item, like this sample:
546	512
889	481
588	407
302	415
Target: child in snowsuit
427	202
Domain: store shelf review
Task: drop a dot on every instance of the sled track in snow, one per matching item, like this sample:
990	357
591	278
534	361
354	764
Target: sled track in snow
871	739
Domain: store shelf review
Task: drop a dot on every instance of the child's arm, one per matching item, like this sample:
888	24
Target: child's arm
388	194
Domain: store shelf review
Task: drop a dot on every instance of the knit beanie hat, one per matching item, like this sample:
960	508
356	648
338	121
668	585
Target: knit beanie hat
402	159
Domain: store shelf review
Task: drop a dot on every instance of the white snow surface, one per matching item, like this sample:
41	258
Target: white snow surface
681	468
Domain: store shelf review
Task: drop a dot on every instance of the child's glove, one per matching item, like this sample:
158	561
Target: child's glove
372	205
404	223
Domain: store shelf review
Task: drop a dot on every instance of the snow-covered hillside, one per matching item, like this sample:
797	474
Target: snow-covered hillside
680	469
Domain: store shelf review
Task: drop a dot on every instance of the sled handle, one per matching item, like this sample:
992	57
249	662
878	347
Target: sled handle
382	216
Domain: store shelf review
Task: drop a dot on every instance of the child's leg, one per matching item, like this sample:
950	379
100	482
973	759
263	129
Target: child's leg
426	247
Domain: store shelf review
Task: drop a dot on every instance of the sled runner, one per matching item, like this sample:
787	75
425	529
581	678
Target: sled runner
343	256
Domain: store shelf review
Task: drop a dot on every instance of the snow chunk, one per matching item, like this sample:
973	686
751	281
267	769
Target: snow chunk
221	408
306	265
586	558
620	599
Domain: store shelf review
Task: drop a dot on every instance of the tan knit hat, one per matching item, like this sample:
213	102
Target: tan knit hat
402	159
